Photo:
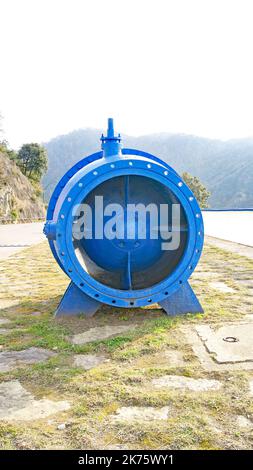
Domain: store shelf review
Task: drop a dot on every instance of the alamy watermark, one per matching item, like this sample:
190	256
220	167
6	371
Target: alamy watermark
130	222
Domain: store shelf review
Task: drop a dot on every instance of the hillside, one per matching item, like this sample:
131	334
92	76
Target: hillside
226	168
18	199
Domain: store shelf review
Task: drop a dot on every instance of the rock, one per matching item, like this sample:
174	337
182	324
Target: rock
186	383
100	333
17	404
243	422
140	414
4	321
230	343
61	427
11	359
222	287
88	361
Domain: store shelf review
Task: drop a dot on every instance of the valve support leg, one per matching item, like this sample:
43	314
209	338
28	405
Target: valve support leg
76	302
182	301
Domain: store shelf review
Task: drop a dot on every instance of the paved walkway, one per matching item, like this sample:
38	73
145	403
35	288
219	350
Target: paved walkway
16	237
233	247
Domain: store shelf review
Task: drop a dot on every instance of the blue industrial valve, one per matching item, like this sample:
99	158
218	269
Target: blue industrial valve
127	230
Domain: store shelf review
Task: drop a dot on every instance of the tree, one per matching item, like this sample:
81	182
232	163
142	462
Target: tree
32	160
199	190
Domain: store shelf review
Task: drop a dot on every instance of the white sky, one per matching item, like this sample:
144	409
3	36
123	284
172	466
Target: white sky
160	65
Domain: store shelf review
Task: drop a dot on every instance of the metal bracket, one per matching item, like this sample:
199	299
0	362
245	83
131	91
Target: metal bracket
75	302
182	301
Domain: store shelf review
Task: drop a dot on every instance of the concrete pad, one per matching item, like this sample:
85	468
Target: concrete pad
244	423
99	333
17	404
186	383
88	361
230	343
138	414
9	360
221	287
207	360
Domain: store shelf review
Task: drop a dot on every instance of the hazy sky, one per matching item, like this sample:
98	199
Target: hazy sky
161	65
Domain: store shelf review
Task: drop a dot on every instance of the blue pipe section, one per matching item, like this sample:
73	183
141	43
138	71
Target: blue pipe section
124	272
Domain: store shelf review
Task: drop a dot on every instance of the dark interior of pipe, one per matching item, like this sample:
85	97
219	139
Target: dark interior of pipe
122	262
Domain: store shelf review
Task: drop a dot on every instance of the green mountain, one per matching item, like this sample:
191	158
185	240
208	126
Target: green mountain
225	167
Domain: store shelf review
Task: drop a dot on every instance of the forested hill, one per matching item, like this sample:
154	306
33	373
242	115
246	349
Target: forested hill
19	200
226	168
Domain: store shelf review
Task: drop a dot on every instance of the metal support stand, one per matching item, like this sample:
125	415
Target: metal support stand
76	302
182	301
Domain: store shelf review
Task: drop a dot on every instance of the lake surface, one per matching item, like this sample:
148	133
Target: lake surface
233	226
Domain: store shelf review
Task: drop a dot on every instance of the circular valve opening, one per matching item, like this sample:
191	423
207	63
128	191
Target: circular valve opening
126	247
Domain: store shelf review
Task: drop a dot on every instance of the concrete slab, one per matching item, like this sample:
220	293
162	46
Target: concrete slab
221	287
17	404
130	414
9	360
100	333
229	343
89	361
186	383
207	360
